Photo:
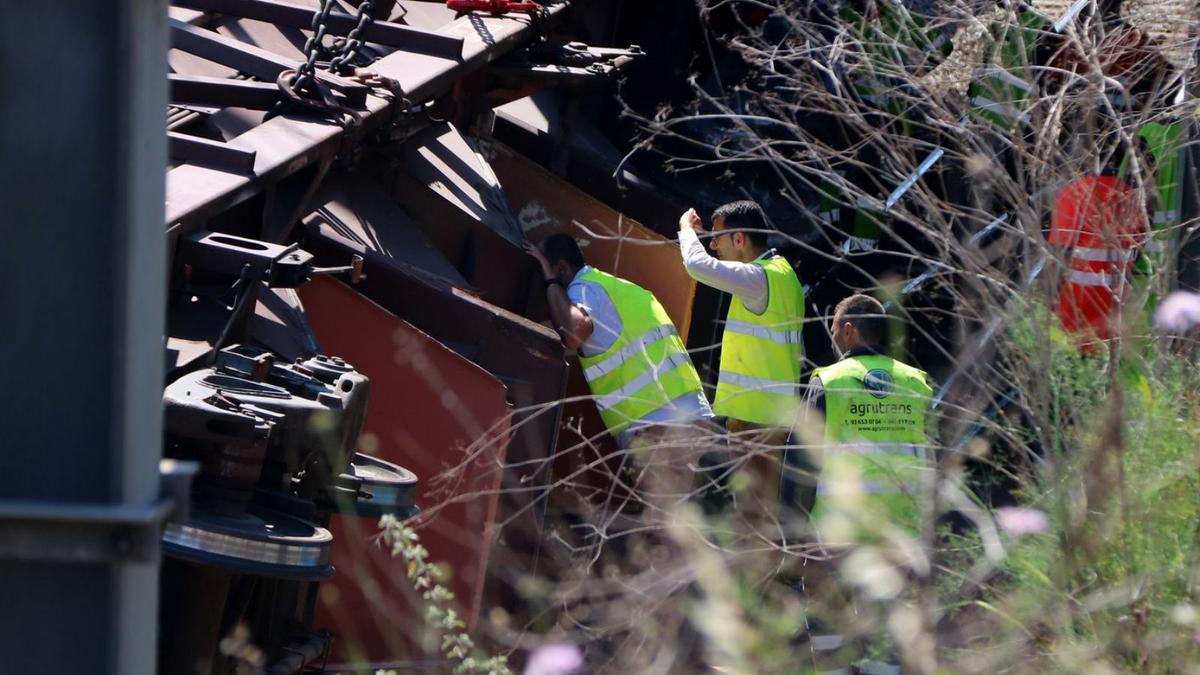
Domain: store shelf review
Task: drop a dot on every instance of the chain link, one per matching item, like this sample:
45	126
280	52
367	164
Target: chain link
300	86
312	48
353	41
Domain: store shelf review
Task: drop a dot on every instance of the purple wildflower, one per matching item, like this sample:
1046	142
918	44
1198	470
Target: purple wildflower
555	658
1018	520
1178	312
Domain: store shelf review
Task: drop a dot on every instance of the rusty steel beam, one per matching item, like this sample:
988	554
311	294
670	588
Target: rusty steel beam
220	92
286	145
293	15
185	148
256	61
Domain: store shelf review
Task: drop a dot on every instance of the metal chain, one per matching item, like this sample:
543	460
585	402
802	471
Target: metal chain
352	43
312	48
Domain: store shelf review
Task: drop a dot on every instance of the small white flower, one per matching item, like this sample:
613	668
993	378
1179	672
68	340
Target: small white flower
1178	312
1019	520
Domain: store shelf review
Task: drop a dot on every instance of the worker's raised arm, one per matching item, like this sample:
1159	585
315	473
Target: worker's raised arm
572	322
745	280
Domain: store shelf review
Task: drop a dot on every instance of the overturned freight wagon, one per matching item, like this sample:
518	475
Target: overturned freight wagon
339	223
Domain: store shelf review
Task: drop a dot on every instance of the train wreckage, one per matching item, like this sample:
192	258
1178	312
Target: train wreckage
352	327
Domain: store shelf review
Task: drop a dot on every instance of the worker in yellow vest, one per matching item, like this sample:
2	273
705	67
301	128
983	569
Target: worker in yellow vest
874	455
761	350
645	386
875	409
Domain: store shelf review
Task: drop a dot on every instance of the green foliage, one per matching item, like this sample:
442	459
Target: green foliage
441	620
1111	585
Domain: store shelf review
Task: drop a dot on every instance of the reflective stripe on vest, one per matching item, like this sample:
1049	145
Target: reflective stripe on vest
831	488
760	353
863	449
638	383
760	384
1105	279
784	337
826	643
647	366
1113	255
634	348
1166	217
1156	246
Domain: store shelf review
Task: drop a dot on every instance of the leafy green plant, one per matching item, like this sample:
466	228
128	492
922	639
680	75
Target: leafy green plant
441	618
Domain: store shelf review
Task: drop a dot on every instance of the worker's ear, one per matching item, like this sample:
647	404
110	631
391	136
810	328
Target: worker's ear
739	239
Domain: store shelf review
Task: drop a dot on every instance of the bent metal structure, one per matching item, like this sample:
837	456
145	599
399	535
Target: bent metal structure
352	328
369	215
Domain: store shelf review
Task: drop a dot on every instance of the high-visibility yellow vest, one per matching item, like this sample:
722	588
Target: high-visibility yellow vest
647	366
875	444
1164	148
760	353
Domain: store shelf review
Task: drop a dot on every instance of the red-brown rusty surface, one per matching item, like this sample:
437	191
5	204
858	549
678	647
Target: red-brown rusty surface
452	193
410	278
545	204
429	408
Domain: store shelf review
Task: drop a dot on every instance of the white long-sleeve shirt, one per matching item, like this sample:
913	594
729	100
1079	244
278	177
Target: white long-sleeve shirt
746	281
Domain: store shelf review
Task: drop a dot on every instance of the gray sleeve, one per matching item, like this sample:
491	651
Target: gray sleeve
814	396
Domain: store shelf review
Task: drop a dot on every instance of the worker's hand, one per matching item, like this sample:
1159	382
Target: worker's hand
537	255
691	219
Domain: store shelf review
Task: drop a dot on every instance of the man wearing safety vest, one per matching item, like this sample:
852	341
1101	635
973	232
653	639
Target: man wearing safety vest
1100	223
875	455
632	357
761	351
1151	273
875	411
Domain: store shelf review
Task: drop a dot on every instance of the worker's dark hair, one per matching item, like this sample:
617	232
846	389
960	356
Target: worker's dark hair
745	215
866	314
558	247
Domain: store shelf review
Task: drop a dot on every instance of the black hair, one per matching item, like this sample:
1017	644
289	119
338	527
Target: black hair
866	314
563	247
745	215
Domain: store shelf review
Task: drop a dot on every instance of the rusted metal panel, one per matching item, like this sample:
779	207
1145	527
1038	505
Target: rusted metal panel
430	410
355	212
542	128
411	279
453	194
546	204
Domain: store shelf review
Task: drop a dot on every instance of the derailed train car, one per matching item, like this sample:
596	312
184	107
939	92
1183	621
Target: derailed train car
378	215
353	330
350	236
